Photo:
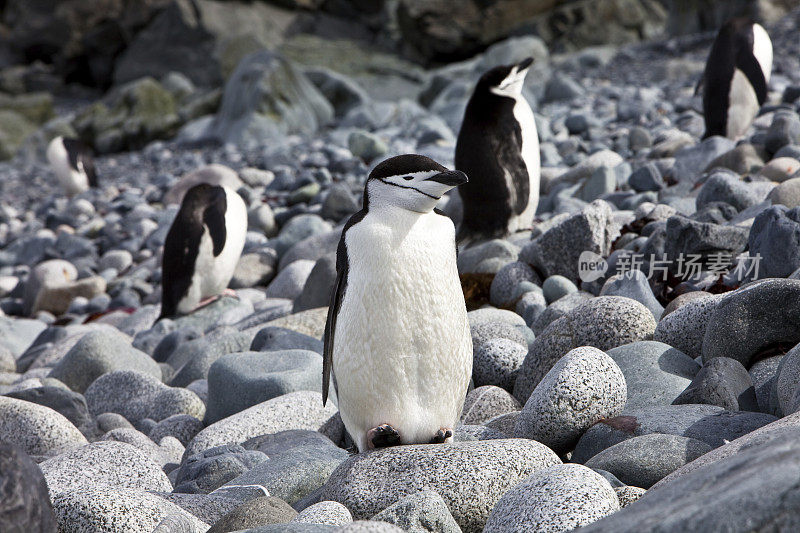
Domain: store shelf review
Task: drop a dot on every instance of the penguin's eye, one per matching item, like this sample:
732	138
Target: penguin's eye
408	178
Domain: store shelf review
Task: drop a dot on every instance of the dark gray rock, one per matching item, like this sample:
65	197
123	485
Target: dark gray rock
556	287
475	258
274	339
655	373
24	501
502	291
294	473
687	237
206	471
646	178
237	381
754	489
557	309
642	461
633	284
684	328
690	161
775	236
752	318
318	286
723	382
182	427
723	186
763	374
206	507
710	424
193	359
170	342
784	130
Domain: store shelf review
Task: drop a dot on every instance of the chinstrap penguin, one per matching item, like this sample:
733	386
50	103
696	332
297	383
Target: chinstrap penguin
73	165
202	248
397	339
735	78
498	148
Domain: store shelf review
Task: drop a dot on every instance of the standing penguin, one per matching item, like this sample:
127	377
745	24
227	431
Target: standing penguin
202	248
397	337
735	78
73	165
498	148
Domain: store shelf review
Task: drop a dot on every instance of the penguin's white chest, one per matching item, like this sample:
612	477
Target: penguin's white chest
213	273
403	351
73	181
530	155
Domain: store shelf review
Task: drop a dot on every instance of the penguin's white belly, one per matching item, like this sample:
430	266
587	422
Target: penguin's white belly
530	155
742	106
212	274
74	182
402	352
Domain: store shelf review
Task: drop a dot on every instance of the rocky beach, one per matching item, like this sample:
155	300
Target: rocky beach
636	356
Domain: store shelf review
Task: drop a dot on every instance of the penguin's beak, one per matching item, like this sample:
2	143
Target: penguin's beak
453	178
524	64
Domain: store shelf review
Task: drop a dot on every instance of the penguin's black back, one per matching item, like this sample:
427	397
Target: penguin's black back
732	49
78	152
203	206
489	144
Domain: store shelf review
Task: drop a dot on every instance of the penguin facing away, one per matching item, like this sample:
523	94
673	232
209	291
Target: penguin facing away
202	248
498	148
397	339
73	164
735	78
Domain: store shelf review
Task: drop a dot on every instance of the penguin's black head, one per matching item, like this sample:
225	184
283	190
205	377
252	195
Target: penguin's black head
505	80
411	181
200	197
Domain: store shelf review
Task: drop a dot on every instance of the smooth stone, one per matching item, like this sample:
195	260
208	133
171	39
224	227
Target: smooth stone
486	402
708	423
290	281
750	490
209	470
98	353
787	193
254	269
182	427
294	473
110	508
643	461
724	186
763	373
37	429
686	237
420	513
296	410
328	513
556	287
266	510
628	495
318	286
557	309
310	322
71	405
273	339
583	387
104	464
238	381
168	450
753	318
408	469
780	169
501	292
470	259
497	361
604	322
24	500
691	160
684	328
787	381
655	373
136	395
723	382
558	498
193	360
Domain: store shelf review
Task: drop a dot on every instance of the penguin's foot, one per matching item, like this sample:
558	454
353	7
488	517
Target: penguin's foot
383	436
229	292
442	435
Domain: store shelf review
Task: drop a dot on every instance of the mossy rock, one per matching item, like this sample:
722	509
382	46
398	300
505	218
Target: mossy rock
36	107
14	129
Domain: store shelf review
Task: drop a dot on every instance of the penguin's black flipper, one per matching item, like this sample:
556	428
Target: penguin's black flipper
177	268
507	147
749	65
337	295
81	158
214	219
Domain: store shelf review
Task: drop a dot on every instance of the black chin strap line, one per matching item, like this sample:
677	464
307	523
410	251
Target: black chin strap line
407	187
